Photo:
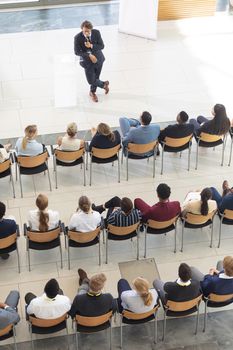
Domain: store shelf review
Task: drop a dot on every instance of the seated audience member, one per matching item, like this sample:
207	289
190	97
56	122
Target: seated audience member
4	152
199	203
90	301
85	219
218	125
219	280
8	310
7	227
178	130
140	299
183	289
103	137
51	304
27	145
120	211
42	219
70	142
140	132
226	200
163	210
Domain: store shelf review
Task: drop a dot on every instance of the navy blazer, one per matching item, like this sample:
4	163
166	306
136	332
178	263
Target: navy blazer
176	131
178	293
7	227
215	284
81	50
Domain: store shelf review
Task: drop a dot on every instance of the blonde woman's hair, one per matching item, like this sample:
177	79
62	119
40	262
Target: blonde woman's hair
29	132
84	204
42	204
142	287
105	130
72	129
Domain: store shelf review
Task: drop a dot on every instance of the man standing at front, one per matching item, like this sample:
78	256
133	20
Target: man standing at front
88	44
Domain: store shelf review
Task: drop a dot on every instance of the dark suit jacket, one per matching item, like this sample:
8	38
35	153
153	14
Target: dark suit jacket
101	141
89	305
176	131
214	284
175	292
7	227
81	50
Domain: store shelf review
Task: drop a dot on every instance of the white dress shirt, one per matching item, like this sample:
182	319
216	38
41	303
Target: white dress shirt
33	219
132	301
84	222
70	143
43	307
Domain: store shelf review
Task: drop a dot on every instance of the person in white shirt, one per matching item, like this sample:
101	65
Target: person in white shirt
140	299
43	219
85	219
27	145
51	304
70	142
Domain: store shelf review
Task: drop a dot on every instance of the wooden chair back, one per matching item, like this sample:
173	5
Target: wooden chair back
141	148
32	162
205	137
183	305
68	156
84	237
46	323
105	153
43	237
8	241
161	224
177	142
196	219
122	231
5	165
135	316
6	330
228	214
93	321
217	298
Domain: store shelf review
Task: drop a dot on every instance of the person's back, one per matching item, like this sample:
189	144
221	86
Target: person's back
7	226
103	141
28	146
178	292
124	216
178	130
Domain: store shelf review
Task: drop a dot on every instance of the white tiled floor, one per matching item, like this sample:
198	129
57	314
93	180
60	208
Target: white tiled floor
189	67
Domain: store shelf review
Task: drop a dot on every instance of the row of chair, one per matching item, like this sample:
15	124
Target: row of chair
84	324
37	240
38	164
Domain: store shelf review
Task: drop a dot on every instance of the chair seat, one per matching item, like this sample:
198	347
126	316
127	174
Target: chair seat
188	225
113	237
181	313
104	160
9	249
76	162
176	149
160	231
5	173
219	304
35	170
44	245
140	156
84	329
81	245
6	336
49	330
210	144
144	320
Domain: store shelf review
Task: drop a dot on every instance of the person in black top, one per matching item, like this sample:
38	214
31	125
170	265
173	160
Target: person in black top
178	130
103	137
183	289
219	125
88	45
7	227
90	301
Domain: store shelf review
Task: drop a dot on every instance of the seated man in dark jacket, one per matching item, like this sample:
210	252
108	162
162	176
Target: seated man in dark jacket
224	201
178	130
90	301
183	289
219	280
7	227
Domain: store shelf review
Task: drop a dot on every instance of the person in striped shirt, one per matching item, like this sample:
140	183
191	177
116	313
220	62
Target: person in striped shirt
120	212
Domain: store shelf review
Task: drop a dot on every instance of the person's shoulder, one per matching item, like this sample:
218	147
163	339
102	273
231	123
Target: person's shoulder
107	296
9	222
78	35
95	31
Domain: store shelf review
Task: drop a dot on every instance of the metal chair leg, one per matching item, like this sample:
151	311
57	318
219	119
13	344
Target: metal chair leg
229	163
99	252
29	263
175	237
121	330
127	167
110	331
197	155
32	343
55	170
61	254
68	254
161	173
119	174
76	339
12	183
223	150
220	233
107	248
189	154
164	326
50	186
197	321
205	317
18	257
90	170
182	237
20	182
84	172
155	329
212	234
154	162
137	246
145	243
14	336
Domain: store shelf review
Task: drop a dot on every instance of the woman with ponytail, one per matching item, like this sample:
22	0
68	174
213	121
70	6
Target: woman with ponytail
84	219
103	137
199	203
27	145
43	219
140	299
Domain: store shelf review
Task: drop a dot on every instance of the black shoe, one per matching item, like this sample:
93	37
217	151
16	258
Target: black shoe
141	228
5	256
158	152
82	276
98	208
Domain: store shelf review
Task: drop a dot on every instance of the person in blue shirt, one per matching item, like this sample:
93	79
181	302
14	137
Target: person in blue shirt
224	201
7	227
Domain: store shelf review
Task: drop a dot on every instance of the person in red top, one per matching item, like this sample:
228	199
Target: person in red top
163	210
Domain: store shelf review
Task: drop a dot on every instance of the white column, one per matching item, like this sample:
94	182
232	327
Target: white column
139	17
